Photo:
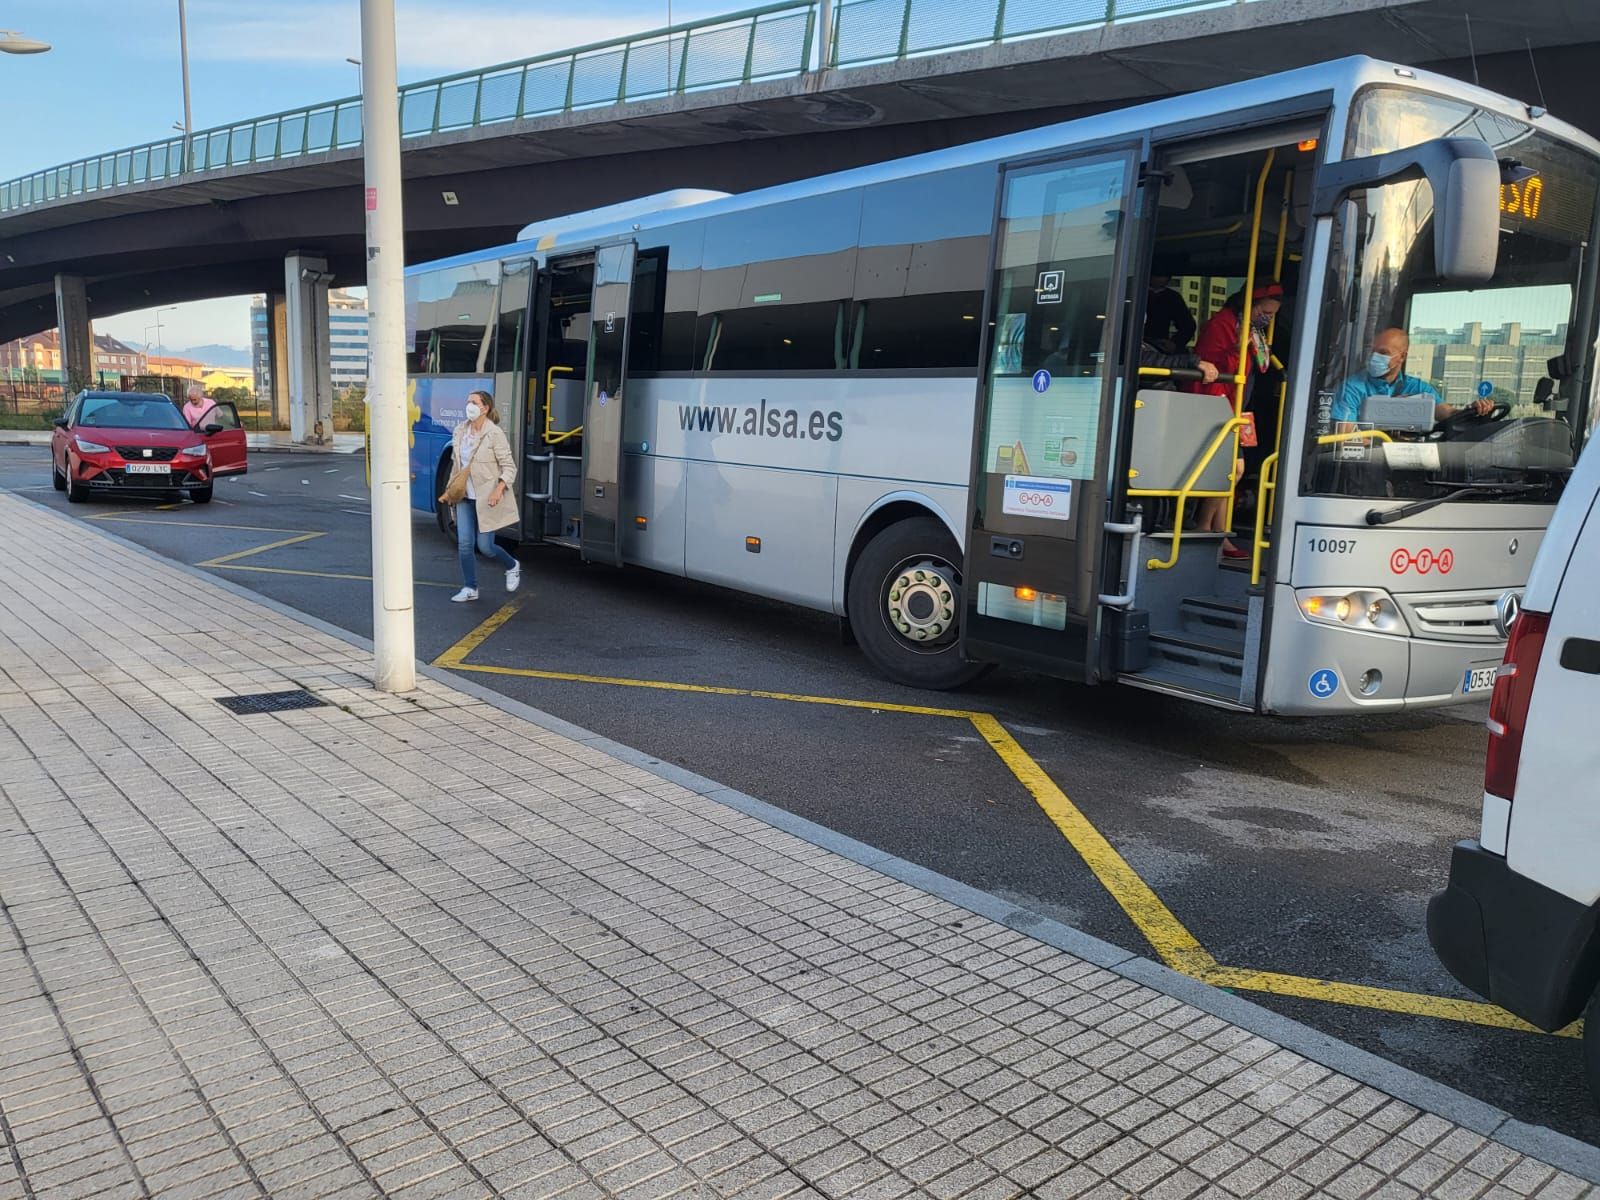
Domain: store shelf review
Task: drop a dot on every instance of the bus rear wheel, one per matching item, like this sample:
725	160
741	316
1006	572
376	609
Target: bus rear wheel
904	602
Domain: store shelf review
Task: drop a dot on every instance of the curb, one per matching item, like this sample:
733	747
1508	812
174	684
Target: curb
1547	1145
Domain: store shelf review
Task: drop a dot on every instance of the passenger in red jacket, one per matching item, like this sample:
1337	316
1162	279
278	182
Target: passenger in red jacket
1219	343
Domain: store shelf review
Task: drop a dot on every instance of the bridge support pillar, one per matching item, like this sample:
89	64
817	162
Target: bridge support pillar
306	278
277	377
77	339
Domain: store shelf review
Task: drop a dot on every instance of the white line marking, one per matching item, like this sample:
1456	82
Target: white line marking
360	512
263	495
358	499
331	471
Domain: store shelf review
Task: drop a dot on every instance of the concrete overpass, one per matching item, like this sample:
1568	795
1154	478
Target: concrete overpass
269	223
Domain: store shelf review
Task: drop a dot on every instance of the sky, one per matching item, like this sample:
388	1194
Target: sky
114	79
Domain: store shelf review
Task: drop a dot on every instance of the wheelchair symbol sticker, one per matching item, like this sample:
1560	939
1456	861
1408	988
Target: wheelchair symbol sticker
1323	683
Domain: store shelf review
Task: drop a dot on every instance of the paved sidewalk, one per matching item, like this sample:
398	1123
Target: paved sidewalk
424	948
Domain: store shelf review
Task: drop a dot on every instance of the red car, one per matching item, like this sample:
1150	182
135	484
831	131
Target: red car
140	443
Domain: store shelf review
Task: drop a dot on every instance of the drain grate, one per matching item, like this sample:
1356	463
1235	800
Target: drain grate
270	702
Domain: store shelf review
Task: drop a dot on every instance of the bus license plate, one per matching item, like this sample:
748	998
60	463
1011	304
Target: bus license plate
1478	679
147	468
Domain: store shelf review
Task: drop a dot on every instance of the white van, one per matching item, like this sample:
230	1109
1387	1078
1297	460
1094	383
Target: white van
1518	921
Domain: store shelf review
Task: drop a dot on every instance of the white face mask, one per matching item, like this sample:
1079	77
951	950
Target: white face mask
1378	365
474	410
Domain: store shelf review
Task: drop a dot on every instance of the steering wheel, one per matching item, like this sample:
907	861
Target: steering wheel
1494	414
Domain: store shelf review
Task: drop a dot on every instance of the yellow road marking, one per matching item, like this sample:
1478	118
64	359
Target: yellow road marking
321	575
1167	935
120	519
479	635
238	554
1177	947
1360	995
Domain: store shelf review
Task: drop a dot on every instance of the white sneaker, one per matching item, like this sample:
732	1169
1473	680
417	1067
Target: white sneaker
464	595
514	578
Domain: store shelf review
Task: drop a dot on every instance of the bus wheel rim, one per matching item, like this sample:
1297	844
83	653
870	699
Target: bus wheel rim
922	598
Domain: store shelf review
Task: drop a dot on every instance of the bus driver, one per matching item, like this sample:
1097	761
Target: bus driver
1385	376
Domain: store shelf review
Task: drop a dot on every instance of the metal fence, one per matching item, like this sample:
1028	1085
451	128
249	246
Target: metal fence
758	44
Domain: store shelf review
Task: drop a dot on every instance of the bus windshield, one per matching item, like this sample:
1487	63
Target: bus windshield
1423	387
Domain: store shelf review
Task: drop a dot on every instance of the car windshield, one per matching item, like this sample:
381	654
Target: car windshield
1421	385
130	412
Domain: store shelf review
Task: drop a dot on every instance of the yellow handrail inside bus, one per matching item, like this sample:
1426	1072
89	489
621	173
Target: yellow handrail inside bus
1356	435
1230	429
1269	485
553	436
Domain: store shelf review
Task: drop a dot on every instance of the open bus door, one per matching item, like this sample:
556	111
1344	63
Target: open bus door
601	530
1046	414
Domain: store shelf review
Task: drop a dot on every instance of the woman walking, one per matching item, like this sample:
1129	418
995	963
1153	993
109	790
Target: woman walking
480	491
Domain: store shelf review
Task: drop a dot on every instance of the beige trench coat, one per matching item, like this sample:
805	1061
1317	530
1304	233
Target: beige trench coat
491	463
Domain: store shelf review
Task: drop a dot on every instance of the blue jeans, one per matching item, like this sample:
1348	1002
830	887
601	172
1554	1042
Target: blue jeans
467	533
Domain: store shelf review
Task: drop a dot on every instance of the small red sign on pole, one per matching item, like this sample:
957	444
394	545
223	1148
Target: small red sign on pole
372	199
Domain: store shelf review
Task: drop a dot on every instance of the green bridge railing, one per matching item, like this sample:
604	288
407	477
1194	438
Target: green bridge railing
774	42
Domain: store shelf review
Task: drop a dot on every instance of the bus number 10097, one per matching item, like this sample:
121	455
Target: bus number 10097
1331	545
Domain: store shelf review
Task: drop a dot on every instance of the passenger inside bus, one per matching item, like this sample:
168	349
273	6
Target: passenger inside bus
1219	342
1168	324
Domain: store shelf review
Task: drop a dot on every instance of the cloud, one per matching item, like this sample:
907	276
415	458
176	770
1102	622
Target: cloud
432	36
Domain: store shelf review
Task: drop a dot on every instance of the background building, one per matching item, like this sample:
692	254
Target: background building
1512	359
117	358
176	368
347	339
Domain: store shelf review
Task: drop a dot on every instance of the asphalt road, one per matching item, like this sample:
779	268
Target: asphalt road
1306	848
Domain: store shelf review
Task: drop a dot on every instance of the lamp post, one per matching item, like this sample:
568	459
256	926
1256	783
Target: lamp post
12	42
356	63
393	617
183	54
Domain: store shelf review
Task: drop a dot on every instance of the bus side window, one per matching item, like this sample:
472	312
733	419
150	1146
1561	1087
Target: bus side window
776	284
920	272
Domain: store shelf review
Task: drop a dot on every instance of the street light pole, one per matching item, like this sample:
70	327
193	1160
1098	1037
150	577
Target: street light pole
188	117
356	63
393	621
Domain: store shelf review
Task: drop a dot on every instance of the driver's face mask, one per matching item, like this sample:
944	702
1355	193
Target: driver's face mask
1378	365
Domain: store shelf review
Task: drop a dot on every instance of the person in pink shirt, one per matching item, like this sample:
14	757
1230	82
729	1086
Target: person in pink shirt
197	406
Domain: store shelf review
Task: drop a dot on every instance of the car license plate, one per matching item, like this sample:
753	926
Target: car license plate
1478	679
147	468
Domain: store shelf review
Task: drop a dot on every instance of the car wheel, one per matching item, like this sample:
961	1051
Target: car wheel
904	602
76	492
202	495
57	479
1591	1044
445	514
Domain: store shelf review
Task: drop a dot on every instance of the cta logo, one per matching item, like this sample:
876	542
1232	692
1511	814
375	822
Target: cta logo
1422	561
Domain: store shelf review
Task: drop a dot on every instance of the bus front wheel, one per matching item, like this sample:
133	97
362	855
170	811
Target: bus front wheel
904	602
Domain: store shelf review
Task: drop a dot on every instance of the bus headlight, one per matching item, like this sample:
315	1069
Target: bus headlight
1366	609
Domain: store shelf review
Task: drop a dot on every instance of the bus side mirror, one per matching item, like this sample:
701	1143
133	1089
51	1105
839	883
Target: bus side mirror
1465	177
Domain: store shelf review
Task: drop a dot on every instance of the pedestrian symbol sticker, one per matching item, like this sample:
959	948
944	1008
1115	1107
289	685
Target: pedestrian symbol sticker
1485	389
1041	382
1323	683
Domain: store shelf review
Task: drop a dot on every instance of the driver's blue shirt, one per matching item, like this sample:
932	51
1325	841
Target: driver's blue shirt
1358	387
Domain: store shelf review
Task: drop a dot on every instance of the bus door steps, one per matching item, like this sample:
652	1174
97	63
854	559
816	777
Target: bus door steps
1197	654
1216	621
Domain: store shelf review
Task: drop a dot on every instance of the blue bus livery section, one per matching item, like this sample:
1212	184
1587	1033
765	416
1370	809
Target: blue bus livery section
440	404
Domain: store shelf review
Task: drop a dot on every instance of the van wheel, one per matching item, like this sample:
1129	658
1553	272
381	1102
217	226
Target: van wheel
445	514
904	603
1591	1044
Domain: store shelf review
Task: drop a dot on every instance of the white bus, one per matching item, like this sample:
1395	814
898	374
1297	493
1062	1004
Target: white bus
911	394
